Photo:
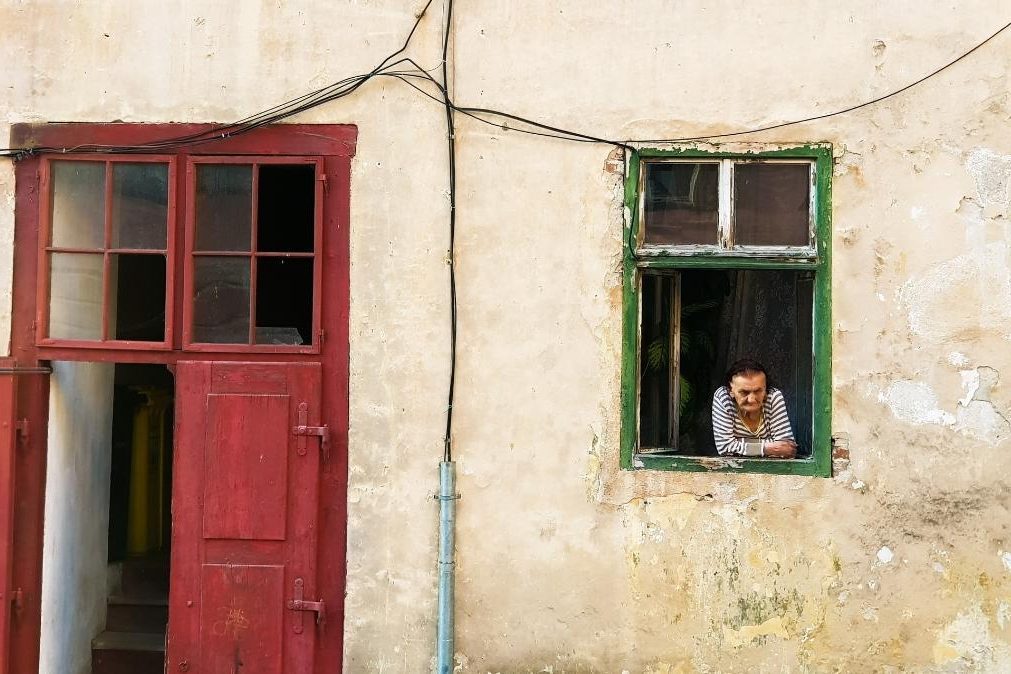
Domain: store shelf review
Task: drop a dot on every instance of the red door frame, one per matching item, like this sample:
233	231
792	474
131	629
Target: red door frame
335	144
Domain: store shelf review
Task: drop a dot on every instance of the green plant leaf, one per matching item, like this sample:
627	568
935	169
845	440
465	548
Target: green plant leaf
686	398
656	354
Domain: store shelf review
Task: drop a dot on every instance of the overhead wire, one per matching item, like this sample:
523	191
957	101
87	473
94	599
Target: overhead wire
349	85
271	115
837	112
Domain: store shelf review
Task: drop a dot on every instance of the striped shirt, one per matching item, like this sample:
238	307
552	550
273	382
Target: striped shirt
733	437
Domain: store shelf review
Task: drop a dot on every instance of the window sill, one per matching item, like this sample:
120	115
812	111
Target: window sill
734	464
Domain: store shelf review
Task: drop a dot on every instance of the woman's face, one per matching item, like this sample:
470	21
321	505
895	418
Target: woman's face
748	390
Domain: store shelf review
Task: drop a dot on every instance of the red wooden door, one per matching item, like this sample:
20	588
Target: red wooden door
245	506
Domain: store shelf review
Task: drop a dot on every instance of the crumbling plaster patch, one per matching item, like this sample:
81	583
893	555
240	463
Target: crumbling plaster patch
915	402
967	644
992	173
975	415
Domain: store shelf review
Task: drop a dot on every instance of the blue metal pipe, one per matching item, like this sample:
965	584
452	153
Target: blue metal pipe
445	633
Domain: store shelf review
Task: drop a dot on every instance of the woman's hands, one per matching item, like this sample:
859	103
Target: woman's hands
781	449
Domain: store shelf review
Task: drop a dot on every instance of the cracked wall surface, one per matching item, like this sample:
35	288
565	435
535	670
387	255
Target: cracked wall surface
899	563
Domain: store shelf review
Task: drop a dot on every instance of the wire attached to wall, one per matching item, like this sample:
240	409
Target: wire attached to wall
836	113
447	453
312	99
386	68
349	85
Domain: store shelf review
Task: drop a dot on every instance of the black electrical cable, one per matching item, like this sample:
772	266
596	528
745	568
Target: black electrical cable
837	112
276	113
576	136
447	453
349	85
318	97
402	76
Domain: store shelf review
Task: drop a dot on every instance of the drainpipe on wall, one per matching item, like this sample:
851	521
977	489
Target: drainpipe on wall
445	633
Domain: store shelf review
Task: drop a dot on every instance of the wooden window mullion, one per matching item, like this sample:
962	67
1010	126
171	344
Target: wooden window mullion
106	245
253	228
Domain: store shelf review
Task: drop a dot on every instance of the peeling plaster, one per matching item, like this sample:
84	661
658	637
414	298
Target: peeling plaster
1005	558
991	172
567	563
915	402
975	415
958	359
957	299
968	644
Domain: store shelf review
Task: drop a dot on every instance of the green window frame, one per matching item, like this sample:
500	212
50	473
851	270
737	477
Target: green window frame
638	259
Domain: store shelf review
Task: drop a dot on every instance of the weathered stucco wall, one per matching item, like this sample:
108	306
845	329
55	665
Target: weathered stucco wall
901	562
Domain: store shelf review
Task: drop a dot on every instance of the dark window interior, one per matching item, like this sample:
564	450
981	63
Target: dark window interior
724	315
283	300
285	211
140	297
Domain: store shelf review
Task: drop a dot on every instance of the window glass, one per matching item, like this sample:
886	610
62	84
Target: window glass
139	205
78	207
223	207
772	204
75	295
681	203
221	300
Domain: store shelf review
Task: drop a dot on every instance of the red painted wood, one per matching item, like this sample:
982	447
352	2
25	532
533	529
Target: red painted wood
33	405
336	145
246	497
240	483
8	446
311	139
46	247
335	290
242	619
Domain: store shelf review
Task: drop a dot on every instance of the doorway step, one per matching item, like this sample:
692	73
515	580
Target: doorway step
136	616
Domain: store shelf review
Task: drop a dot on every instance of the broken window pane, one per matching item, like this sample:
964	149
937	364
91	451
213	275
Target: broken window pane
286	210
139	205
284	300
221	300
224	207
75	291
772	204
137	297
78	193
681	203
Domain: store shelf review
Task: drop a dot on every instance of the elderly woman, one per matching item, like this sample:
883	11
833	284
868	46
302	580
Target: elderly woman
749	416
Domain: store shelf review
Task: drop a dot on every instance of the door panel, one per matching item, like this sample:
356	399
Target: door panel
242	618
245	507
246	466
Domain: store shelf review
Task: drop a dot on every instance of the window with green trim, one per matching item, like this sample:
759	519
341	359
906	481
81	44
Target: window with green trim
727	256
